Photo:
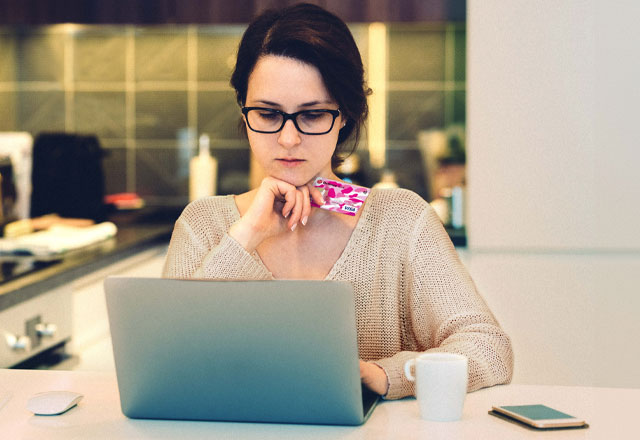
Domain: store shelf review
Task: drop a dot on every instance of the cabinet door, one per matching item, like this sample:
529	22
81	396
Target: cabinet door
91	336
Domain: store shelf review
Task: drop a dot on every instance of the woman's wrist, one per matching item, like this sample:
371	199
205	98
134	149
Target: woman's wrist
374	377
245	235
382	380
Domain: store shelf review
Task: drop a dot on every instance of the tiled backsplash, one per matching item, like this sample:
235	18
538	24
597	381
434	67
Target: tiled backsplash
137	88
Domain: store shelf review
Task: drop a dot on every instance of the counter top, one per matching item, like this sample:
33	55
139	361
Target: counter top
610	412
26	278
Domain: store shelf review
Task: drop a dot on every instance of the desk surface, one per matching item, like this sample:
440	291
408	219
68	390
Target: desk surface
611	412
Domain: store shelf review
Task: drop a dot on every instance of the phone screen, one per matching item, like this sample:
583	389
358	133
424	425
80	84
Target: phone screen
537	412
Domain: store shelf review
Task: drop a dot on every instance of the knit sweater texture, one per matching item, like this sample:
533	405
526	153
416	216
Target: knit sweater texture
412	293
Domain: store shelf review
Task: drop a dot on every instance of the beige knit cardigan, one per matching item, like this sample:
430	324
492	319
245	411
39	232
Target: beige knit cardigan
412	293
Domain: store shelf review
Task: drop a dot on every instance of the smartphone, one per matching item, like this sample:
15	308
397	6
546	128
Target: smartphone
540	416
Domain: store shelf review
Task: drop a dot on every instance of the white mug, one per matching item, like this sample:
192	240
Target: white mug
441	385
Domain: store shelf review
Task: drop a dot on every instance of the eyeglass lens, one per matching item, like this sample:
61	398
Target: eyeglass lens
309	121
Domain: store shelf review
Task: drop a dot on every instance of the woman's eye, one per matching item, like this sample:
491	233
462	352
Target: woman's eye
312	116
268	115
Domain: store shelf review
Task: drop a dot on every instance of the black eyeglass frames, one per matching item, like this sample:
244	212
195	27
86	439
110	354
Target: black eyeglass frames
270	120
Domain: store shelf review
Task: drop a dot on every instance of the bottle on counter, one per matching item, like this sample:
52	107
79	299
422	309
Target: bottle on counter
457	207
450	207
203	171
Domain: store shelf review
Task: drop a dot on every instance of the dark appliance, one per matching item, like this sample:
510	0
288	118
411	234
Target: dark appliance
7	190
67	176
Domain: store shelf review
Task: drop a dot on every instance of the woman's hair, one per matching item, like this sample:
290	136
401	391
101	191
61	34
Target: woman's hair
317	37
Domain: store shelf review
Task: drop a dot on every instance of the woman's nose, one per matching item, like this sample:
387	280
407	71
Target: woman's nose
289	135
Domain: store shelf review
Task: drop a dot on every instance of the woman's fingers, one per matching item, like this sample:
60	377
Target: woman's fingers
294	204
289	193
296	212
306	204
316	195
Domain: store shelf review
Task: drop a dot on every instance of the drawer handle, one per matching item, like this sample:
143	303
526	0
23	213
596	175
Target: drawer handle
18	343
46	330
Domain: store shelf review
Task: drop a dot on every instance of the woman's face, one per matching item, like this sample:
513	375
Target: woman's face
290	85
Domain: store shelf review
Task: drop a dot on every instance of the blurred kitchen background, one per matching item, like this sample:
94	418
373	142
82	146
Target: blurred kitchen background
148	91
516	120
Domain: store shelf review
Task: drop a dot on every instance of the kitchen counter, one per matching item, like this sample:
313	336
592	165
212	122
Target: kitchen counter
26	278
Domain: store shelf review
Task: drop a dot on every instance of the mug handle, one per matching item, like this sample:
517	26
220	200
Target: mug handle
407	369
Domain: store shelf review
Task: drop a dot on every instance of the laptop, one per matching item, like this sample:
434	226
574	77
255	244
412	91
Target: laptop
280	351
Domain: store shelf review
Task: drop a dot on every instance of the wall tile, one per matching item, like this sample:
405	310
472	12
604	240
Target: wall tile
415	55
100	56
360	32
156	172
233	169
407	167
7	57
114	165
219	115
410	112
459	107
102	113
41	57
159	115
8	111
217	48
460	55
162	103
161	54
41	111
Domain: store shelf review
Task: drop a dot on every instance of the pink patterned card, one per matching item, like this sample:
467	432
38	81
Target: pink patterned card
344	198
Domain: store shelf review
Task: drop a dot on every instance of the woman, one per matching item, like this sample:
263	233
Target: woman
299	81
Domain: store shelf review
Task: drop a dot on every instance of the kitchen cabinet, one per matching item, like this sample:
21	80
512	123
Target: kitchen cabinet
36	12
38	301
36	325
91	342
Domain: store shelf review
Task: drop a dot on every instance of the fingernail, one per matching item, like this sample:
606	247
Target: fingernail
304	220
287	214
293	227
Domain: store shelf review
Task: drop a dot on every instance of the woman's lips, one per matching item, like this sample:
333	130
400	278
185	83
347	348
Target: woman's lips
289	161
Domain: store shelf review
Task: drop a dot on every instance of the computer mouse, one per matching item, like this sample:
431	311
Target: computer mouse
52	403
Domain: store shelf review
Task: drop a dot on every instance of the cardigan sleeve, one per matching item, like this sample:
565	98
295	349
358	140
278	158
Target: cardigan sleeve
192	254
445	313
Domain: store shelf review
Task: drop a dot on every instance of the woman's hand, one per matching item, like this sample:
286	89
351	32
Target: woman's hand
277	207
374	377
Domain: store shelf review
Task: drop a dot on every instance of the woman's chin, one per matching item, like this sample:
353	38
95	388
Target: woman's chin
295	179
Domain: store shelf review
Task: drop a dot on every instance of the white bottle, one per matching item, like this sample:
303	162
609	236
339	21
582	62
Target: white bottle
203	172
457	207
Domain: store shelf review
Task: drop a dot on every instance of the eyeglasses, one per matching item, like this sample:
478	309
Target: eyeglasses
270	120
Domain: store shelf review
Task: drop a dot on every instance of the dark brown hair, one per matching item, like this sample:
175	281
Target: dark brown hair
317	37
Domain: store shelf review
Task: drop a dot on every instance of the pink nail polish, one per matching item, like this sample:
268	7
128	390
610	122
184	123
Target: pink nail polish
293	227
304	221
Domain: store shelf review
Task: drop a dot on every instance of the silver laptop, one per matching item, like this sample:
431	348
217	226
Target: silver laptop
251	351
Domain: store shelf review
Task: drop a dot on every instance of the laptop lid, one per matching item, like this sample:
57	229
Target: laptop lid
256	351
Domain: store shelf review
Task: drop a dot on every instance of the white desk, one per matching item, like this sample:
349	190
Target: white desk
612	414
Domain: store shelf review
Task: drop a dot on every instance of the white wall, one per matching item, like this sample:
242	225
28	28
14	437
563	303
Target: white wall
553	193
